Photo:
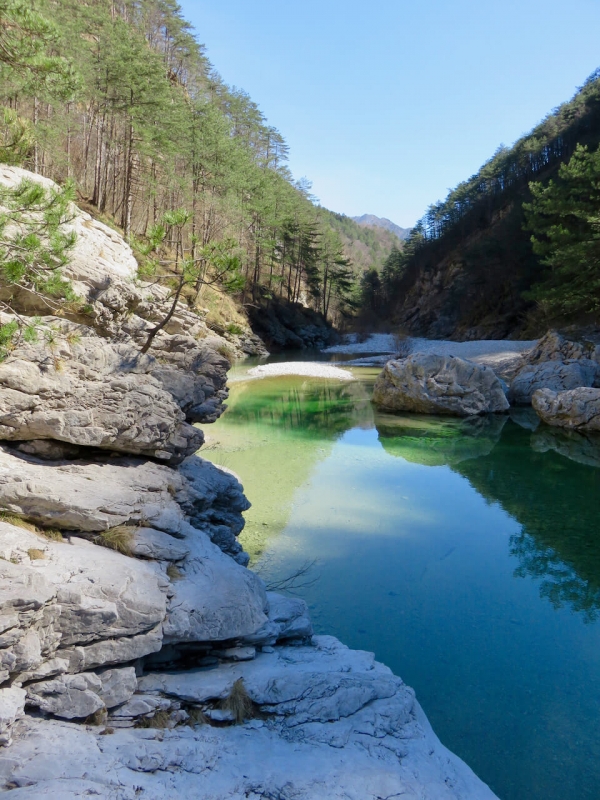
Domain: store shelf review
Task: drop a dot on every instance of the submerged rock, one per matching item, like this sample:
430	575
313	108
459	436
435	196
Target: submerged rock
432	384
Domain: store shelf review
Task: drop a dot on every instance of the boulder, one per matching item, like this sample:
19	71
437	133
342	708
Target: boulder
288	618
69	696
212	598
557	375
79	696
576	409
554	347
156	545
87	391
432	384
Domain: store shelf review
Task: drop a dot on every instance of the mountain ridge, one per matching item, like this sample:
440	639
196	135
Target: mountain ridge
382	222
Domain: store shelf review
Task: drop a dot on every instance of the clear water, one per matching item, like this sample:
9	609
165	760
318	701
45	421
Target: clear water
466	555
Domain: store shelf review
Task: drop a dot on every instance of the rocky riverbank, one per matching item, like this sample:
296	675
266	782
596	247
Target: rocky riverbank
139	657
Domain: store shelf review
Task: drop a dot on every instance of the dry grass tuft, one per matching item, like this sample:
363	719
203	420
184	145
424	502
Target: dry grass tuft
52	534
239	702
35	554
20	522
119	538
97	718
174	573
161	719
196	717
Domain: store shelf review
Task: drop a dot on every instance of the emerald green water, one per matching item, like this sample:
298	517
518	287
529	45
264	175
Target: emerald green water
465	554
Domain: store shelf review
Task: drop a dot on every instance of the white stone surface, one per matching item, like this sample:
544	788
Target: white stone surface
576	409
387	343
434	384
92	393
99	252
12	708
555	375
340	726
306	369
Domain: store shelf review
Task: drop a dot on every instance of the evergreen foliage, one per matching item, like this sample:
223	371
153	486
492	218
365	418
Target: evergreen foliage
126	104
564	216
481	225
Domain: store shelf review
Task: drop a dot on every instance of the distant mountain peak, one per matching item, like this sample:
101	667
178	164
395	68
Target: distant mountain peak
382	222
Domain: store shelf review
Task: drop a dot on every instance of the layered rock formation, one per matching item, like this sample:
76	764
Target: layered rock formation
432	384
557	364
138	654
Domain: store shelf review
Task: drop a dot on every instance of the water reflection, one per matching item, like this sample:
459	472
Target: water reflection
556	502
576	446
436	441
419	563
302	407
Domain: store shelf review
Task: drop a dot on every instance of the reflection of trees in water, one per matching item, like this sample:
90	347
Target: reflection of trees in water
557	503
560	582
303	407
435	441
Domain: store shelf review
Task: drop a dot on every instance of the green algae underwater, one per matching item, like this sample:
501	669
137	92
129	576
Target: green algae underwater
464	553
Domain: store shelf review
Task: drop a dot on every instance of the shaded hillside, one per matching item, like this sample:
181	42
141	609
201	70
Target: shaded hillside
372	221
469	262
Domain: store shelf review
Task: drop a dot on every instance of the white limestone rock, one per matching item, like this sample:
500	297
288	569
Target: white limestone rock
90	497
78	696
12	708
104	395
556	375
99	252
288	618
576	409
118	686
340	726
215	599
156	545
68	696
79	606
94	496
432	384
554	347
214	501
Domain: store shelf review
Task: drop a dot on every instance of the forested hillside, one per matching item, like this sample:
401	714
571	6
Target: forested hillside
366	246
118	96
470	267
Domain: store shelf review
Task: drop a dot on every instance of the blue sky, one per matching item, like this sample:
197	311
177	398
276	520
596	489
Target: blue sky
386	105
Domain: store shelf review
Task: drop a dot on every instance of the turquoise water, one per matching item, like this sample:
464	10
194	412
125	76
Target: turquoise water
465	554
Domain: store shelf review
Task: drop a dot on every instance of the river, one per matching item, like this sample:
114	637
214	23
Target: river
464	553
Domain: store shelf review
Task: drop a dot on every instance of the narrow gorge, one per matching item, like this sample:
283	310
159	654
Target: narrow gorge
139	655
